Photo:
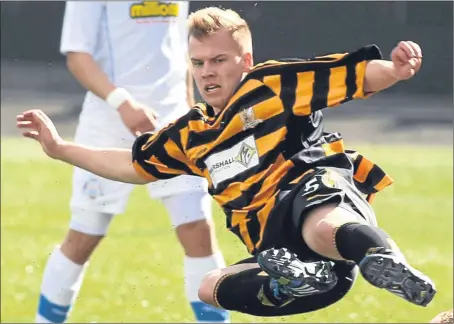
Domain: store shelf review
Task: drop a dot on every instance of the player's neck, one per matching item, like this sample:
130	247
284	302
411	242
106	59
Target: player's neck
217	111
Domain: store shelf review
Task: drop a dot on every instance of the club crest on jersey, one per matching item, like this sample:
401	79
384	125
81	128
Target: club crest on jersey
229	163
248	118
154	9
245	155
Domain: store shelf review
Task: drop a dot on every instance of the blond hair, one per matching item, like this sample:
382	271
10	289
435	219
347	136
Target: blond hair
207	21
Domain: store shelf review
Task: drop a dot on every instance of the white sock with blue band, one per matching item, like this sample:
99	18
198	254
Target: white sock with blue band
62	280
195	270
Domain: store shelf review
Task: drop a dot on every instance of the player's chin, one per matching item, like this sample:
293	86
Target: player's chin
215	101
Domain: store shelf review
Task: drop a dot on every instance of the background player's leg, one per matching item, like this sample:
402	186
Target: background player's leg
191	215
64	273
94	202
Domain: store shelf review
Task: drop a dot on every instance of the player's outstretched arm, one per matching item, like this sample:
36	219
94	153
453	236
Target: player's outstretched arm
406	60
111	163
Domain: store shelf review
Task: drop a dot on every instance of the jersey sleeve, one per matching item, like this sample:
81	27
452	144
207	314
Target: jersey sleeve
368	177
306	86
81	26
161	156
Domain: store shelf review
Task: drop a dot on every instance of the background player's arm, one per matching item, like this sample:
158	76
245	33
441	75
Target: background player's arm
79	39
85	69
81	26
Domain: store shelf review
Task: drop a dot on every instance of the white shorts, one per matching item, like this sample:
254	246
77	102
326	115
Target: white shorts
96	194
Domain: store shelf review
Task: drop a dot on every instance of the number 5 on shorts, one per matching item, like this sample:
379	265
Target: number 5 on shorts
311	186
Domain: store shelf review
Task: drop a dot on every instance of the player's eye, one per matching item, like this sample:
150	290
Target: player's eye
197	63
219	60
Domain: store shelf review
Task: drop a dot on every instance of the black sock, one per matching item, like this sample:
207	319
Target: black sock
353	240
249	292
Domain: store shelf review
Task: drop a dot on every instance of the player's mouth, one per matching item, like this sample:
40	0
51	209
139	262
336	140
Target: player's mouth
212	88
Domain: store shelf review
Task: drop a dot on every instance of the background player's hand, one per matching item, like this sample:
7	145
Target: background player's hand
137	117
38	126
407	59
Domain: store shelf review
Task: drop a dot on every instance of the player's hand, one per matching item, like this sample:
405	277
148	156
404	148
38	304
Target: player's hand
38	126
137	117
407	59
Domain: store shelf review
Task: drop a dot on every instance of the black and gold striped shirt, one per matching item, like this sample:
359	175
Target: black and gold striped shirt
266	138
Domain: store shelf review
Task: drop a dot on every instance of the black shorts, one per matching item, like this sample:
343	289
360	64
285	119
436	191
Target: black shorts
283	229
323	186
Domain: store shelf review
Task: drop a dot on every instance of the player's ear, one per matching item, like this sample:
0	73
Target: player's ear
248	62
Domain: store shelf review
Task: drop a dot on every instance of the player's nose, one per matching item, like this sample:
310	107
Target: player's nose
207	70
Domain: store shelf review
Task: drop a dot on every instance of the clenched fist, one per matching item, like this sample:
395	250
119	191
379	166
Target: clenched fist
407	59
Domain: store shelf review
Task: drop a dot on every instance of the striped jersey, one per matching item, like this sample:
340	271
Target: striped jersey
268	136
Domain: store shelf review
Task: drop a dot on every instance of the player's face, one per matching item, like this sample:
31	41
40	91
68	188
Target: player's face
218	66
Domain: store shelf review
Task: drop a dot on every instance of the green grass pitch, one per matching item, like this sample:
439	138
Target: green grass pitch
136	274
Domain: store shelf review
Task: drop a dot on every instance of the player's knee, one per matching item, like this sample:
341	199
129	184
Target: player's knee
197	238
87	228
90	222
208	285
319	228
78	246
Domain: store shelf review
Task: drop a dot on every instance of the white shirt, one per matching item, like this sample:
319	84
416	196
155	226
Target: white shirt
141	46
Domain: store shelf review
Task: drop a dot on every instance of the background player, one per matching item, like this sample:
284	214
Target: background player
130	56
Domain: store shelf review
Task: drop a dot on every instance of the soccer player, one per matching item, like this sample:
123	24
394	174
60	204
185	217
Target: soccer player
291	192
131	58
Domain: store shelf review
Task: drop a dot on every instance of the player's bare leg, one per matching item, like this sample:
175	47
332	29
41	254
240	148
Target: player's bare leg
340	234
78	247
